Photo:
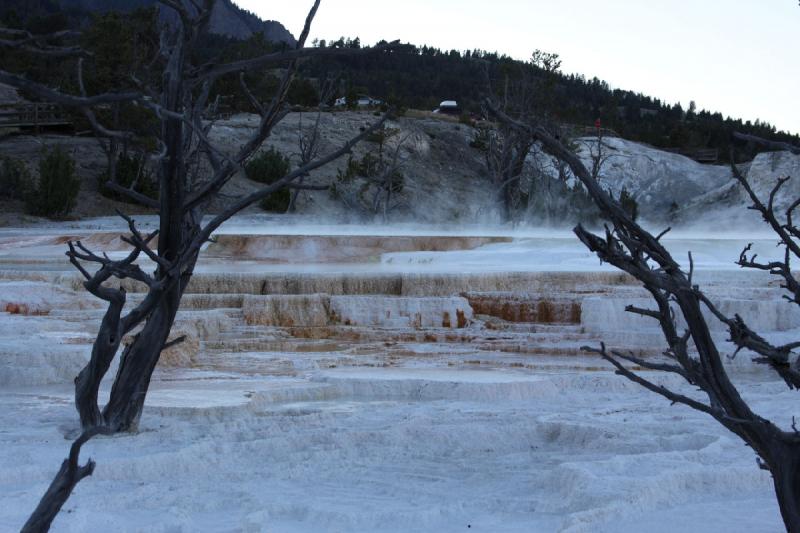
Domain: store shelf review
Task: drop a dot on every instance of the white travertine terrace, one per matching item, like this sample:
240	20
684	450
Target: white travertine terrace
439	386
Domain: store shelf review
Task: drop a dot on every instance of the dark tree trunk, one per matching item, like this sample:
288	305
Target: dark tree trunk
136	367
293	199
785	468
124	409
508	200
69	475
139	360
55	497
87	383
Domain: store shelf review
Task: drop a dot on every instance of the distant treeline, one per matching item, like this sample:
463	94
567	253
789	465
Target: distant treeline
421	77
407	76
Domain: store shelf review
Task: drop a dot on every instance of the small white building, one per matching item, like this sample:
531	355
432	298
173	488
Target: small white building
448	107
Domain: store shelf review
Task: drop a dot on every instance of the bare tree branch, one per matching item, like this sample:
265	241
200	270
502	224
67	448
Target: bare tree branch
67	100
629	247
70	474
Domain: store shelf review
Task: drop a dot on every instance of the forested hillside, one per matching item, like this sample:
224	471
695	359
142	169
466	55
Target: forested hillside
411	76
227	18
421	77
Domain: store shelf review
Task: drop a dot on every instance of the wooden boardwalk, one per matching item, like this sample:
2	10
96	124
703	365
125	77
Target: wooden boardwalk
578	130
701	155
33	116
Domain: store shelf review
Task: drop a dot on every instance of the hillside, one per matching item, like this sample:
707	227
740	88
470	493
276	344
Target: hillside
227	19
445	181
414	76
421	77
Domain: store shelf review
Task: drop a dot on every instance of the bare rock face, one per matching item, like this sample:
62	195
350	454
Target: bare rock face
672	188
725	205
764	172
655	178
230	20
226	18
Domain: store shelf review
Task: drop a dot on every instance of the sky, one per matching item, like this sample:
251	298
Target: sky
738	57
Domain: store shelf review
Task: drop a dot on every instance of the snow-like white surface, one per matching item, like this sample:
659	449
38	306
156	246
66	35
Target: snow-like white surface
397	451
286	418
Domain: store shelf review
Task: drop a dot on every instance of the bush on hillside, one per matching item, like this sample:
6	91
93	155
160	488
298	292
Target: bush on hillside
56	193
268	167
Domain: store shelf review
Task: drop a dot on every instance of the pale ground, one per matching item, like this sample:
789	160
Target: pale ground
361	410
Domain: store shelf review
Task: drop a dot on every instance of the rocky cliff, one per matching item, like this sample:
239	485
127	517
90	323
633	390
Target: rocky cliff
226	19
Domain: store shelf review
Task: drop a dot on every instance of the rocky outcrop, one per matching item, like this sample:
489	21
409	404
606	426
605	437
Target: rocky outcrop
656	179
226	18
230	20
725	206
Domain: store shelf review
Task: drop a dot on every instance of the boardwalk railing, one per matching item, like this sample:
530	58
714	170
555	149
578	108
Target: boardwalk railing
577	130
702	155
32	116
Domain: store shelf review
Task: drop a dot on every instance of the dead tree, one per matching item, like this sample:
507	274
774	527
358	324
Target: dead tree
374	184
522	95
505	161
388	180
692	353
309	144
506	149
179	101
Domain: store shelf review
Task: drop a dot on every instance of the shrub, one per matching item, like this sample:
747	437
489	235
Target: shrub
14	178
268	167
130	171
56	193
277	202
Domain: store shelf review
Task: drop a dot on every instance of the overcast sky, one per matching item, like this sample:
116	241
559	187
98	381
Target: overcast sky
739	57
